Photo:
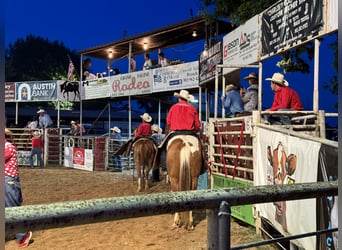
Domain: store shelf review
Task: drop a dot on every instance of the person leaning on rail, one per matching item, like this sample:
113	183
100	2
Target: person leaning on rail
249	96
285	99
13	195
232	101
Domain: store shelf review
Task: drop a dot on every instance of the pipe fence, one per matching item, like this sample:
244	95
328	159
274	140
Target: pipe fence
38	217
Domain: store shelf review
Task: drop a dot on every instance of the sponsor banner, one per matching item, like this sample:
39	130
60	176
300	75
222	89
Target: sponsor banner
135	83
9	91
288	22
240	46
78	158
96	88
180	76
69	91
332	17
23	158
207	63
282	159
36	91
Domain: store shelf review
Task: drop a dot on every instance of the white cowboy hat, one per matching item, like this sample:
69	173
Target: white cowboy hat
156	128
230	87
41	111
146	117
252	75
73	122
184	94
278	78
116	129
36	133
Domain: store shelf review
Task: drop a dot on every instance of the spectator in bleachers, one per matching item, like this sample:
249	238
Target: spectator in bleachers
163	62
44	119
285	99
148	62
232	101
250	96
133	64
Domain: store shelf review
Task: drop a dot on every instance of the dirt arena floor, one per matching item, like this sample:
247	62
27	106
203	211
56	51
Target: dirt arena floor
156	232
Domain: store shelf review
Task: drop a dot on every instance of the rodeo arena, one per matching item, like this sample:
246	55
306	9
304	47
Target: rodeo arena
276	179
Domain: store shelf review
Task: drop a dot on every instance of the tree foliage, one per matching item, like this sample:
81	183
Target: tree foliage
36	58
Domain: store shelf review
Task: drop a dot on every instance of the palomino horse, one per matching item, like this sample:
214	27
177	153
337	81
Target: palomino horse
184	164
144	151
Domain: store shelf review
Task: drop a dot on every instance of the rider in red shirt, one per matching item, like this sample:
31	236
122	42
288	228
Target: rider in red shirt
145	127
182	115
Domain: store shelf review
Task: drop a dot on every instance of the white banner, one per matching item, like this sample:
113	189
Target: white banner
96	88
283	159
332	17
136	83
78	158
240	46
69	91
23	158
180	76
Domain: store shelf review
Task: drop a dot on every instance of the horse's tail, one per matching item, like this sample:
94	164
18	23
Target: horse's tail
184	169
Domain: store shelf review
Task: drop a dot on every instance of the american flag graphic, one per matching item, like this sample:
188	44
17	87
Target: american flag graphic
70	70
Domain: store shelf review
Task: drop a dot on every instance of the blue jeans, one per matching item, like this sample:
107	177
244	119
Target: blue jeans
13	197
117	162
38	152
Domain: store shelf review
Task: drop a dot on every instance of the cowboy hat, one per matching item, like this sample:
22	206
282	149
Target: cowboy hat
230	87
116	129
41	111
36	133
156	128
252	75
146	117
8	132
73	122
184	94
279	79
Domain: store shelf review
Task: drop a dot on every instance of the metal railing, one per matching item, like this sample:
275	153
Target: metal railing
62	214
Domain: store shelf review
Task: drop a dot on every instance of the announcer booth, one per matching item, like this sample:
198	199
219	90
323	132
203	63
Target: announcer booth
243	151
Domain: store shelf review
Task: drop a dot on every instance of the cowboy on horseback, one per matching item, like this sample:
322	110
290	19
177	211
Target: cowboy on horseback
182	119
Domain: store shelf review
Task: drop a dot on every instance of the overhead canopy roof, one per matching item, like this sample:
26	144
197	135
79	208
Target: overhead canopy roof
166	37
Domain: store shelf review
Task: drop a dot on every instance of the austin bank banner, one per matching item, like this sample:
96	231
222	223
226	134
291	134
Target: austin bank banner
285	160
36	91
288	22
136	83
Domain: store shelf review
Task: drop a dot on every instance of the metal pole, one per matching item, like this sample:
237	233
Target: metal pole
129	56
200	103
216	90
129	118
109	117
58	113
81	86
260	87
212	229
223	94
316	74
16	112
224	226
159	111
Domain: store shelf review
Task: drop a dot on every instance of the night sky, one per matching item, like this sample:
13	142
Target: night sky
84	24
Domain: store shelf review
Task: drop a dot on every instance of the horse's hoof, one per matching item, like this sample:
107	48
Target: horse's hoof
190	228
139	190
176	225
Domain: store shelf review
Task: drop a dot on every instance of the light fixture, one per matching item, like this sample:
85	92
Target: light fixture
110	54
145	45
194	33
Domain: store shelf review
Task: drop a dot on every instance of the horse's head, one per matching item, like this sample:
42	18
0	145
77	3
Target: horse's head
63	85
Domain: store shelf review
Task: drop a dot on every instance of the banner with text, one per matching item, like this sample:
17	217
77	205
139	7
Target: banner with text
9	91
36	91
285	160
332	17
207	63
180	76
288	22
96	88
240	46
135	83
79	158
